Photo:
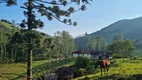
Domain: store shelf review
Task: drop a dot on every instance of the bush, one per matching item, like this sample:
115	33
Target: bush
91	68
82	62
82	72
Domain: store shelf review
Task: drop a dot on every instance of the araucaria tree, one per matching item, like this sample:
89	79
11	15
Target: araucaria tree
58	9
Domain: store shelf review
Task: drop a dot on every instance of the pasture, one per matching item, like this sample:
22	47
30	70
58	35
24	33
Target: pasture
17	68
128	70
38	67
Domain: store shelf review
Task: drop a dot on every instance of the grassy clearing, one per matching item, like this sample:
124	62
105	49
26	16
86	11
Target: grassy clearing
38	67
18	68
118	70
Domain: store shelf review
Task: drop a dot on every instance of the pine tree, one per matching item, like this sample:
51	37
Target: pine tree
50	9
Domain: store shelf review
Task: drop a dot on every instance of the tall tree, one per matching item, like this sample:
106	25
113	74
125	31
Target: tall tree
67	43
118	37
64	43
50	9
57	42
101	43
93	43
124	48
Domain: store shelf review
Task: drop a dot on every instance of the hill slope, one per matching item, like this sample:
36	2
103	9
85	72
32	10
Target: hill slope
5	26
130	28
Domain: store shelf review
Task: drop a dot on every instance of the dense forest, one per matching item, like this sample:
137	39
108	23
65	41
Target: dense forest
13	43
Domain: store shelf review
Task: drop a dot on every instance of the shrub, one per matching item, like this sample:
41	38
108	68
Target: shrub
82	72
82	62
91	68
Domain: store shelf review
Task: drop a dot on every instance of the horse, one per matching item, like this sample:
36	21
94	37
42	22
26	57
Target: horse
104	64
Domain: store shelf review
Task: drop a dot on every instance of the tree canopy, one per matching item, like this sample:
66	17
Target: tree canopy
124	48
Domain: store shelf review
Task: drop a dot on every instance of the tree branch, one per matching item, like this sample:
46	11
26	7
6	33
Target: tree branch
52	2
2	1
57	18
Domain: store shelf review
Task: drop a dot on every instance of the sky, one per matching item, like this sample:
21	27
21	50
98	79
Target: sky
99	14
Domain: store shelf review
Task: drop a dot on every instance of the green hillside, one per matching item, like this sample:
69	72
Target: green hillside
129	28
5	26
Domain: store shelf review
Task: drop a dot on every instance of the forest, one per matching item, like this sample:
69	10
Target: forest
13	44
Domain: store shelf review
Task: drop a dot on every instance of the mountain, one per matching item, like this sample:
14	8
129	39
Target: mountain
130	28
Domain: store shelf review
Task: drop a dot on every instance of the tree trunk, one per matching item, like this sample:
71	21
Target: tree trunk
12	54
29	62
29	54
15	55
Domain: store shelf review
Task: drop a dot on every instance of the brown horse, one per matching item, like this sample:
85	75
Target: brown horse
104	64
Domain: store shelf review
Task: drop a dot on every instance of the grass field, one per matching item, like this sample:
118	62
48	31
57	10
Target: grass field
20	68
17	68
119	70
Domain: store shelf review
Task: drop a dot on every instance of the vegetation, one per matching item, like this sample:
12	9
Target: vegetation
91	42
14	49
50	9
124	48
39	68
120	30
82	62
130	70
24	44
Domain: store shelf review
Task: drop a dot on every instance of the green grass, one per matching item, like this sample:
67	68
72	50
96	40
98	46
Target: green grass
18	68
6	24
38	67
119	70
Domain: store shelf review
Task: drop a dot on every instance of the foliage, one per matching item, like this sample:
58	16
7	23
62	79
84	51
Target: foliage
91	42
101	43
50	9
14	44
124	48
118	37
130	70
122	28
82	62
81	72
64	44
138	43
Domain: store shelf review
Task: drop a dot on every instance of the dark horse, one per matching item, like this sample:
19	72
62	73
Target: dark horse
104	65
